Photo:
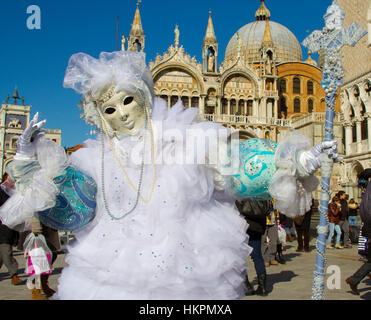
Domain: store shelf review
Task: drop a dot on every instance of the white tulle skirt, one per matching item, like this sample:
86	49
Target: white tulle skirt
186	243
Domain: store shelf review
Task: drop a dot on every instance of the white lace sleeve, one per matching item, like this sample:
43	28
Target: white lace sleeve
290	186
35	190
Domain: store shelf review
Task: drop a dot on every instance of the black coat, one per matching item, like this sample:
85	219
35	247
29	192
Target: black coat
365	211
7	236
344	210
255	213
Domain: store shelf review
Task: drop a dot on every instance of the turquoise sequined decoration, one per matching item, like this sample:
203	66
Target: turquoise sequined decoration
256	169
75	204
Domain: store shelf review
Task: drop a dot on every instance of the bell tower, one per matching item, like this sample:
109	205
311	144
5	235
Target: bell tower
14	118
210	49
268	69
136	39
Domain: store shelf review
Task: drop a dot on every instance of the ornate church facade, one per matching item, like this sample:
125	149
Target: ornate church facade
260	88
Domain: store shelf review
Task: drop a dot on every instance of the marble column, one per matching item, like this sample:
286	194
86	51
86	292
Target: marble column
255	106
202	105
348	137
219	106
359	135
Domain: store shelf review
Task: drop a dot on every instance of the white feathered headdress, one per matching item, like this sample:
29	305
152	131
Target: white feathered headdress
117	70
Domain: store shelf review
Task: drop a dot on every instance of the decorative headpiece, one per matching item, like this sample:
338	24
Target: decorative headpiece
107	95
99	79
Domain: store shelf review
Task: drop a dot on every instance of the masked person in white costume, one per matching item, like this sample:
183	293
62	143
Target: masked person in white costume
146	227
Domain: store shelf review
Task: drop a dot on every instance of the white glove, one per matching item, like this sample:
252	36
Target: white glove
310	160
26	149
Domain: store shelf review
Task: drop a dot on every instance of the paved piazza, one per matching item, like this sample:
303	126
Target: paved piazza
292	281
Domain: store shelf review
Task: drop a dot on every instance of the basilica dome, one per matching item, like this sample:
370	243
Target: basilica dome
250	38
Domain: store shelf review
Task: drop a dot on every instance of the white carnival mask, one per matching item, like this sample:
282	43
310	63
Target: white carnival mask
124	112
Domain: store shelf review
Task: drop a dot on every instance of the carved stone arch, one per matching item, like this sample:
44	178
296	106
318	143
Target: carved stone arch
247	73
346	108
157	72
355	169
354	99
365	88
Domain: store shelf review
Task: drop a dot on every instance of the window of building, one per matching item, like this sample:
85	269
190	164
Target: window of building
241	107
297	108
233	107
249	108
283	108
310	89
310	106
173	100
296	85
224	106
195	102
185	101
283	85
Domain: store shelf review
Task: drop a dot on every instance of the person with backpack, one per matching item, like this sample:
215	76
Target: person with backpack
255	214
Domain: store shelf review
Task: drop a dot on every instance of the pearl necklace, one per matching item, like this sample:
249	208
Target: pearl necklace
147	121
138	188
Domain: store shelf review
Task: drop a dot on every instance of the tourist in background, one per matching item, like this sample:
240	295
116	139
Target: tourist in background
302	227
353	213
353	221
8	238
334	211
344	224
287	224
270	238
255	213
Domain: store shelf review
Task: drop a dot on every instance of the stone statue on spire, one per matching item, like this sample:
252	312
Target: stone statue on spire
177	33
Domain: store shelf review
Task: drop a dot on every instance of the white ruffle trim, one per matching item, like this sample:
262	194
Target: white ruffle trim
184	244
40	192
291	187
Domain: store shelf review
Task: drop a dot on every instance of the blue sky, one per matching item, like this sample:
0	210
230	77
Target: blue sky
35	60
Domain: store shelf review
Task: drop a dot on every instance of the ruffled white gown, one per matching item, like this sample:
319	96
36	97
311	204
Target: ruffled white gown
188	242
